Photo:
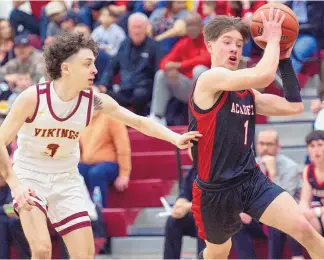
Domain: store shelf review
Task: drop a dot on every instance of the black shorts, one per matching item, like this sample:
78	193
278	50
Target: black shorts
216	208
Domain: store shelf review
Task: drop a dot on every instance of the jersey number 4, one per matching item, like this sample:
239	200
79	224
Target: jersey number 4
246	128
53	149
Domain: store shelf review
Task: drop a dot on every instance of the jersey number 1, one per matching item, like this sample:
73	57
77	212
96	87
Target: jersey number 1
246	127
53	148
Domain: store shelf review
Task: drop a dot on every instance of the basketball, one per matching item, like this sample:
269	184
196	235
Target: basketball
290	26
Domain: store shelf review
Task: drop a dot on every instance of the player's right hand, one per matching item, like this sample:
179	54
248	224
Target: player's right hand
23	198
271	27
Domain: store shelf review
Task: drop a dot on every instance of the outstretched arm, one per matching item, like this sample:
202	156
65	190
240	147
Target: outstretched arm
106	104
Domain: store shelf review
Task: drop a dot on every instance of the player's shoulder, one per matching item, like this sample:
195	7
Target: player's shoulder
212	76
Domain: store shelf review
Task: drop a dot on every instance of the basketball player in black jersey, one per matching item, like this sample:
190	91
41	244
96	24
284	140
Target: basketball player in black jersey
312	196
223	106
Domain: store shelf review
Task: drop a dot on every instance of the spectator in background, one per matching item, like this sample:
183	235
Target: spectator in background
167	24
312	195
27	60
137	62
32	23
105	155
181	223
208	10
23	82
180	68
307	12
6	42
108	34
102	59
56	12
5	200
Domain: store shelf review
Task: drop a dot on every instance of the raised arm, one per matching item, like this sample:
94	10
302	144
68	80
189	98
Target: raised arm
106	104
23	108
219	78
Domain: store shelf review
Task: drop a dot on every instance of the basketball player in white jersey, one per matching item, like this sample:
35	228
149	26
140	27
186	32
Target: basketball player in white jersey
48	119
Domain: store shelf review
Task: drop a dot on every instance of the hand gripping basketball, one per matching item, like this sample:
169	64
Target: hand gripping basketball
271	26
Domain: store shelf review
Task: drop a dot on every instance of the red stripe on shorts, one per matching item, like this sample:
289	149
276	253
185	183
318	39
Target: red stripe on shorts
196	211
75	227
72	217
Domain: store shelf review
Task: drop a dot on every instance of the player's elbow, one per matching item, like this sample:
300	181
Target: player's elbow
267	77
297	108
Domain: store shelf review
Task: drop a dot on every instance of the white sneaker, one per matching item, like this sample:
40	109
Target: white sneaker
161	121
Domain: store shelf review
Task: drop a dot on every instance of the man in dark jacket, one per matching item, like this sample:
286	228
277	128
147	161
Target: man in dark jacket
137	62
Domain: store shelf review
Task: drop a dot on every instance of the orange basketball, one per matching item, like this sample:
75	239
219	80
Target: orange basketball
290	26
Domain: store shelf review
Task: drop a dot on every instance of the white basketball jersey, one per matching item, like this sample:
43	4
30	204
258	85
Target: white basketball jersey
49	141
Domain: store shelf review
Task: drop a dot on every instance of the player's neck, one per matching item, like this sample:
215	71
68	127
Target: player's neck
320	167
64	91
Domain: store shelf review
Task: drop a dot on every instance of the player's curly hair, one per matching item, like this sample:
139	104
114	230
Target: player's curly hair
222	24
62	48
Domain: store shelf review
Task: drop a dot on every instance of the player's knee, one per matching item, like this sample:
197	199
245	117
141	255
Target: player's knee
214	251
159	75
303	230
85	253
41	250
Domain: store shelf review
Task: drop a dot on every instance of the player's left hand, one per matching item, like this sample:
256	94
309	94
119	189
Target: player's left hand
286	53
184	140
121	183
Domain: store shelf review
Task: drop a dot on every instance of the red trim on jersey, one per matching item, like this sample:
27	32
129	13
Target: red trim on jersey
196	211
312	166
89	107
75	227
49	103
69	218
252	93
243	94
30	120
205	147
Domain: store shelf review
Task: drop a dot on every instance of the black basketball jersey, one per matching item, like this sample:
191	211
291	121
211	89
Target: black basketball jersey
317	188
226	148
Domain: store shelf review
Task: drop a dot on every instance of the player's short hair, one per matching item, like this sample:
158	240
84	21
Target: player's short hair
314	136
62	48
222	24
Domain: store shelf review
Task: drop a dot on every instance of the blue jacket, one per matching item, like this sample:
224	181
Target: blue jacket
137	65
186	187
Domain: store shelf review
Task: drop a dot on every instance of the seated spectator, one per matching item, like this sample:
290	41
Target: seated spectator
108	34
6	42
23	82
307	12
137	62
27	60
284	172
208	10
167	24
56	12
312	195
102	59
181	223
180	68
31	23
7	216
105	155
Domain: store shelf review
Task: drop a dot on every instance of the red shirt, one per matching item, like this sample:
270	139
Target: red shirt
190	53
36	7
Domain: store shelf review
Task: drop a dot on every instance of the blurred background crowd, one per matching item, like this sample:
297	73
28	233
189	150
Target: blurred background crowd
150	53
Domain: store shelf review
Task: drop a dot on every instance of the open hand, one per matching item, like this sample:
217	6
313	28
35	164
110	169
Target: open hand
184	140
271	27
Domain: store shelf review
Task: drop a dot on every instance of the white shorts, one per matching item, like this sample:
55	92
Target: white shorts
59	196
